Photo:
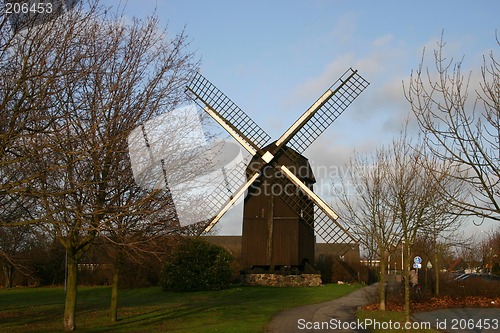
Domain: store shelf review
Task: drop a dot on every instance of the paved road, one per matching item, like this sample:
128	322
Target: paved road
462	320
332	316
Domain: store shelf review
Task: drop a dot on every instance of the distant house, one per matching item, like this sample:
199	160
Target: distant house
230	243
346	252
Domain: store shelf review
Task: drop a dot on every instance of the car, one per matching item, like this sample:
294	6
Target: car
483	276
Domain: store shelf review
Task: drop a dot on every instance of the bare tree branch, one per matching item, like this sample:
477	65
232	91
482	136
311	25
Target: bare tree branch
462	126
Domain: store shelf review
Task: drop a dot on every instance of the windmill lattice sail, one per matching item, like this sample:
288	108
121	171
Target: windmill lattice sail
208	95
341	94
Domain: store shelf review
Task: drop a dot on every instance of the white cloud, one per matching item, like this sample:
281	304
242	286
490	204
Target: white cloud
314	87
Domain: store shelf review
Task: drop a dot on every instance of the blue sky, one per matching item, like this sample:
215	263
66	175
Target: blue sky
275	58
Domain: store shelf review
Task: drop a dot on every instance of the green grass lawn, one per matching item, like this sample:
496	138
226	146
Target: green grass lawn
239	309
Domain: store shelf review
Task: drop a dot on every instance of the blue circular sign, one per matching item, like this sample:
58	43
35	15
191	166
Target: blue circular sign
417	260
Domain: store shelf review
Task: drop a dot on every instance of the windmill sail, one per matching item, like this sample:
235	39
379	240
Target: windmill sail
238	123
322	218
324	112
171	152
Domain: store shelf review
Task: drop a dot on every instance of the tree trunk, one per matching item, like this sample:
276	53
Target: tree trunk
114	288
435	263
436	276
382	284
71	286
407	282
8	270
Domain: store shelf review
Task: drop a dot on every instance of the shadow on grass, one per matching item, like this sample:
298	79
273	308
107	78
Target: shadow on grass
150	309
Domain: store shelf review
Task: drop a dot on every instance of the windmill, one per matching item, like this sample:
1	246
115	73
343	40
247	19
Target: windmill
278	228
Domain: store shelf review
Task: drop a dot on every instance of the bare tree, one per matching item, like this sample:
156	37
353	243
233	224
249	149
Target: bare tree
363	200
147	218
467	252
416	196
13	242
461	121
397	198
28	82
94	77
444	220
489	250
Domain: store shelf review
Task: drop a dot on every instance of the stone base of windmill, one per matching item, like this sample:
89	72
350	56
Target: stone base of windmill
280	280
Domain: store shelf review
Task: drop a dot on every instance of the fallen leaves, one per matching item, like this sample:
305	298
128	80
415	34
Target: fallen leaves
443	302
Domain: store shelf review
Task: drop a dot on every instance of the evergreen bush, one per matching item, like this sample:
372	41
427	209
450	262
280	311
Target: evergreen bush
195	265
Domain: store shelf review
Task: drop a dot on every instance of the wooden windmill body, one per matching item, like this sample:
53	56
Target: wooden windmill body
274	234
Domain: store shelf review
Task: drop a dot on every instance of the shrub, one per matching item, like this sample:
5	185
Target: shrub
333	269
196	265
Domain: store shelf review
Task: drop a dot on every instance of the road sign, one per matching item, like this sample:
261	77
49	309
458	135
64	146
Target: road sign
415	265
417	260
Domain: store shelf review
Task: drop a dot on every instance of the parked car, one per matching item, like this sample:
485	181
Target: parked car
483	276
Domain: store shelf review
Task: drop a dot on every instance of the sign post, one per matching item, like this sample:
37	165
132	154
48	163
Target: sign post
417	262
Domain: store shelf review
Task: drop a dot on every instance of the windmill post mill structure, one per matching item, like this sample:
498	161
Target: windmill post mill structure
282	215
